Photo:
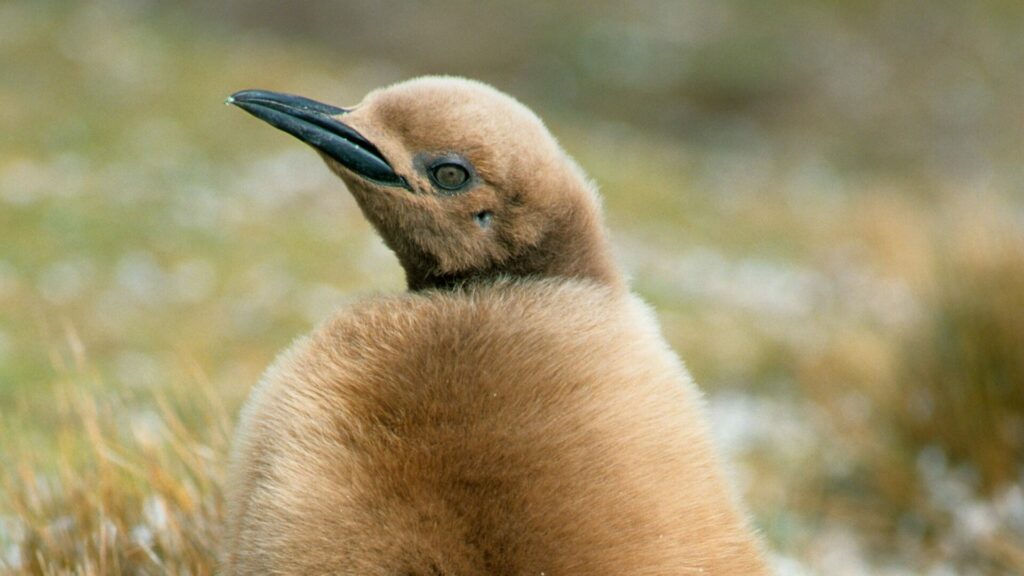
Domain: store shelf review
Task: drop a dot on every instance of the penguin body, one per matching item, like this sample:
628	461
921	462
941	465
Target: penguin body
516	412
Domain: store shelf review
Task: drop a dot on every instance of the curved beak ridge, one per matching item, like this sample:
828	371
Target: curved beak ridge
315	123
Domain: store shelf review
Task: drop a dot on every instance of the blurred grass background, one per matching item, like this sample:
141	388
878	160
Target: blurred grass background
825	202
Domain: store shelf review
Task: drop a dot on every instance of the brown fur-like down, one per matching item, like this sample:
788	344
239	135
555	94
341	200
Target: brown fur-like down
516	413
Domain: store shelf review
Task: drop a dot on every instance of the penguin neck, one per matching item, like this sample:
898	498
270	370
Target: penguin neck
568	253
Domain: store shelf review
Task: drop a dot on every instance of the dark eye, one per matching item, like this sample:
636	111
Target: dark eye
449	176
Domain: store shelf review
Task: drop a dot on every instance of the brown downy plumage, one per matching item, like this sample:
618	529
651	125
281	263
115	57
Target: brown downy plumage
516	412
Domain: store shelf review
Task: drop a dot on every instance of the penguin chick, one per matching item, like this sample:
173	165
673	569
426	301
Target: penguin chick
516	412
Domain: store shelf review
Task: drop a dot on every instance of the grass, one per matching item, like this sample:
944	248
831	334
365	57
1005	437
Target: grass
131	490
859	332
931	410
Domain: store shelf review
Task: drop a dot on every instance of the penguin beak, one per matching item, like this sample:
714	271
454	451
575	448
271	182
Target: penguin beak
315	124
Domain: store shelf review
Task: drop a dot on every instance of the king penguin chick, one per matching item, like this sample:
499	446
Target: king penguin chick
516	412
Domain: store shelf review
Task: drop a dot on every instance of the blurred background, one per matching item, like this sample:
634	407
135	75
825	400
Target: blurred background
823	200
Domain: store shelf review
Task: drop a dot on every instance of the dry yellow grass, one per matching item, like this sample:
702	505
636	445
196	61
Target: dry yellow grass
932	410
130	491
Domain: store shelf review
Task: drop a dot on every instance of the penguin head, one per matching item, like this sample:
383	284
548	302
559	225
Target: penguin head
463	182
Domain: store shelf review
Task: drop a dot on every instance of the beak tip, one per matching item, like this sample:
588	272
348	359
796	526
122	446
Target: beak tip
243	97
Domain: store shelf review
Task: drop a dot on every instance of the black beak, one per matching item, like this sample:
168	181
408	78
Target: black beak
314	123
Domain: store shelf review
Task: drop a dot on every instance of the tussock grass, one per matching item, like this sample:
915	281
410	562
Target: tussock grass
932	412
130	490
963	367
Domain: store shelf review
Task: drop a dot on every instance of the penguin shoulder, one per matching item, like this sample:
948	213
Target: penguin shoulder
509	326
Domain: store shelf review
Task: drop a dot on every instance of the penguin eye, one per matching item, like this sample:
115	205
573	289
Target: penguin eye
449	175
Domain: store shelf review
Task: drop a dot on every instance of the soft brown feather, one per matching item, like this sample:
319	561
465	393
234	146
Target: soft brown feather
547	215
526	419
517	428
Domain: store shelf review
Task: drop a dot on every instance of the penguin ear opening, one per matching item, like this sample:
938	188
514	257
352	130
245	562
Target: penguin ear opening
315	123
484	218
